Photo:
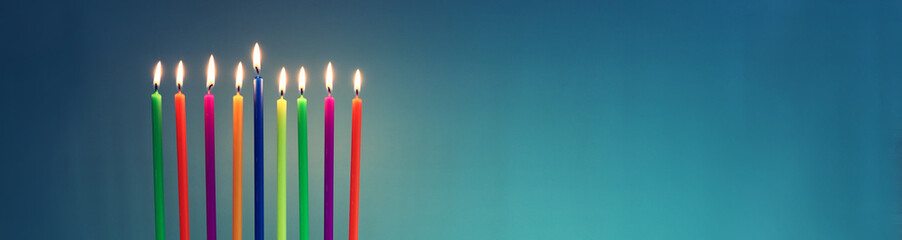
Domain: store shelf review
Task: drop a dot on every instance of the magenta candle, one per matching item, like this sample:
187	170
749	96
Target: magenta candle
210	152
329	144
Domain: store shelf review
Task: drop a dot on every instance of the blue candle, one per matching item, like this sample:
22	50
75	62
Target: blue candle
258	147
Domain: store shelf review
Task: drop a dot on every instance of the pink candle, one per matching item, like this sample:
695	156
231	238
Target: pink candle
210	154
329	150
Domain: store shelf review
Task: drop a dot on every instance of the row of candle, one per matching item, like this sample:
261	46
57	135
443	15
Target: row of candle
237	127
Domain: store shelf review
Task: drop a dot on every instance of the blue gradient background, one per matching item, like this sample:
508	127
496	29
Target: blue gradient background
482	120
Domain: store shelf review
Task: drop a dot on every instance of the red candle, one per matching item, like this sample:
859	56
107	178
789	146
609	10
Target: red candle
181	141
356	111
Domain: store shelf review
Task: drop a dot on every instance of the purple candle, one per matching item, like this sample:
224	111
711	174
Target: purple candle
329	150
210	153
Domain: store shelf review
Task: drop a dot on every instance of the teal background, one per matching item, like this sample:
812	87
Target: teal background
482	120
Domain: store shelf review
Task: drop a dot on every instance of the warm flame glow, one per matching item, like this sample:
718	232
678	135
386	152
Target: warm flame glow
329	76
211	72
257	56
357	81
282	78
239	76
157	74
302	80
179	75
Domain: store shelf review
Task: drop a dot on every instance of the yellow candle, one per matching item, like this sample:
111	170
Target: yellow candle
281	203
237	135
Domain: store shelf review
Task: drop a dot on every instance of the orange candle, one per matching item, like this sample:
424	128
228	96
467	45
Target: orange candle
237	134
182	164
356	111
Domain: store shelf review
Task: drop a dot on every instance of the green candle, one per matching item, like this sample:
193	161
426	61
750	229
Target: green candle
157	121
302	158
281	203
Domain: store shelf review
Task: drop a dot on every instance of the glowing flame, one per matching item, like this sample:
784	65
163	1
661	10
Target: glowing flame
302	80
329	76
157	74
282	79
357	81
257	56
179	75
239	76
211	72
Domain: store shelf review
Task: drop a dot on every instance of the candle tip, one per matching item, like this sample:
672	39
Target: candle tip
256	57
329	77
357	80
239	76
211	72
157	74
180	75
302	80
283	77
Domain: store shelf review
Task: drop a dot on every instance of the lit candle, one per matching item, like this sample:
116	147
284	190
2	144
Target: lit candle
302	158
210	147
281	202
237	135
356	111
329	135
182	164
156	110
258	147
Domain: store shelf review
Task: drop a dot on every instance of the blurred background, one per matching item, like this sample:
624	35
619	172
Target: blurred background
481	120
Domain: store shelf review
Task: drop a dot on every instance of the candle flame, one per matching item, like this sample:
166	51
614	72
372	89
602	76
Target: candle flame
357	81
257	56
239	76
180	75
157	74
329	77
302	80
282	78
211	72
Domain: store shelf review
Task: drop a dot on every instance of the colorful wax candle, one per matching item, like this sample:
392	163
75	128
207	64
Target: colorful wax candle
302	159
182	149
237	150
329	164
210	154
281	196
258	147
156	109
356	111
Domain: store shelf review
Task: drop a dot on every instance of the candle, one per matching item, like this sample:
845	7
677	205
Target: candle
210	147
281	202
237	135
258	147
329	136
356	111
182	163
156	120
302	158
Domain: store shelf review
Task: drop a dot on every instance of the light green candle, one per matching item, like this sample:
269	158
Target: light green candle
281	105
302	158
157	121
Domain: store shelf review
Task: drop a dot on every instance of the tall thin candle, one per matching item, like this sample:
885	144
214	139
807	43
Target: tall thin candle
281	201
182	163
302	158
237	150
356	114
258	147
156	109
210	154
329	136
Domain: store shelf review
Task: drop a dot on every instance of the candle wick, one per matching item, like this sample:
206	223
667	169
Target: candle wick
302	92
258	71
239	89
156	87
356	92
330	91
180	87
281	93
209	87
